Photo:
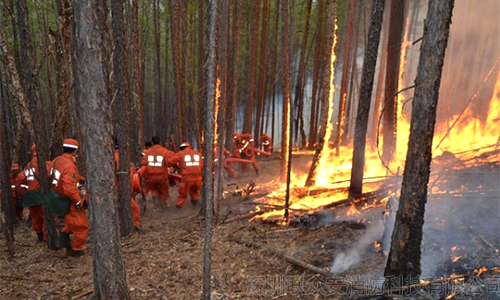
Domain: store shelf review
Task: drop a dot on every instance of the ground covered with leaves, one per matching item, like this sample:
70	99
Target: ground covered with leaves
249	256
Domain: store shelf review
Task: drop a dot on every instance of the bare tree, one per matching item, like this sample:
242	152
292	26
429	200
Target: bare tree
121	94
365	96
208	145
404	256
91	93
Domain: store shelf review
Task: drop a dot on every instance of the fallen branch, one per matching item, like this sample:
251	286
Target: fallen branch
81	295
25	278
245	216
340	282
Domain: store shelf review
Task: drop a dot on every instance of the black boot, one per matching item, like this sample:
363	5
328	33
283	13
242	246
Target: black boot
63	241
74	253
40	236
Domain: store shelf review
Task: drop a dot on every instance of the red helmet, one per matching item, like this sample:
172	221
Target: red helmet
184	145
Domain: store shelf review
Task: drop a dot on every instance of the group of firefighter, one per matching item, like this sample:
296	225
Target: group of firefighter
67	197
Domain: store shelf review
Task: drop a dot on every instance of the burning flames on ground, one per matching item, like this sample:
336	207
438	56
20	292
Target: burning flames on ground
334	170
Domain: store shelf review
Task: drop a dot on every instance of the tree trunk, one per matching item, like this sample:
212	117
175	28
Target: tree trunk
327	86
390	103
174	7
404	257
365	96
91	81
301	79
208	146
139	94
29	81
121	95
345	71
262	73
285	67
317	68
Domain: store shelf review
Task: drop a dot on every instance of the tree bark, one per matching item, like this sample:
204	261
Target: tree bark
139	94
91	81
285	67
121	95
174	7
262	72
404	256
327	86
365	96
390	103
208	145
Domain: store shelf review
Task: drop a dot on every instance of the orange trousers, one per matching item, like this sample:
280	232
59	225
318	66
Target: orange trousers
37	220
158	185
244	166
188	187
76	223
136	213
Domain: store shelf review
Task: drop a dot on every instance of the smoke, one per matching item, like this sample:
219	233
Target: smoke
351	257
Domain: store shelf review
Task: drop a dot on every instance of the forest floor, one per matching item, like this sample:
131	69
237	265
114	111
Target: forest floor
165	262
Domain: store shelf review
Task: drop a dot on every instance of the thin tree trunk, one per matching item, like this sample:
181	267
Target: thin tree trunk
29	81
317	67
345	71
365	95
174	6
405	253
208	146
121	94
327	85
390	103
262	73
139	94
201	71
285	67
91	81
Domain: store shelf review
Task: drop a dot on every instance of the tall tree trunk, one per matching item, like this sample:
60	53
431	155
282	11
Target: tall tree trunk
201	70
274	66
365	96
345	72
317	68
327	86
262	73
301	79
285	67
390	103
121	94
230	123
381	77
158	88
174	7
249	103
404	256
139	94
91	90
208	145
29	81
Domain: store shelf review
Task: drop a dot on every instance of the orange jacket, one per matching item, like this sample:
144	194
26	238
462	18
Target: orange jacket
154	162
190	162
266	141
31	174
65	177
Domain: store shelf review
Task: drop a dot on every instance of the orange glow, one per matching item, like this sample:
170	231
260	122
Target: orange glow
353	211
451	295
217	97
456	258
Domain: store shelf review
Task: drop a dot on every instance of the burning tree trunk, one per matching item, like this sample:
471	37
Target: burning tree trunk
121	93
286	61
91	90
327	91
390	103
369	64
208	145
404	257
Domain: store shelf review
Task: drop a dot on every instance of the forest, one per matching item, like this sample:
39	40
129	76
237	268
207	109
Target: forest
350	149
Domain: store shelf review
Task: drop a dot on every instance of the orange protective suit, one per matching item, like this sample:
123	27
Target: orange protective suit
17	191
155	171
65	178
246	153
30	180
190	163
266	143
136	211
227	166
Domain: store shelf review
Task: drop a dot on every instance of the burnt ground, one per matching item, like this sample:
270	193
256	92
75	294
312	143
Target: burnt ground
165	262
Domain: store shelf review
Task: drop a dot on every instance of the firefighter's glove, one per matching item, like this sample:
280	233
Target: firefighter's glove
79	205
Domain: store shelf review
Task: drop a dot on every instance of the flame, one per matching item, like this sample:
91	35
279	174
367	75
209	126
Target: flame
453	249
217	103
353	211
480	271
451	295
456	258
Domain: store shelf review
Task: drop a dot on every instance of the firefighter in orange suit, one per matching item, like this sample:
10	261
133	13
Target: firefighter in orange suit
190	163
237	144
136	211
32	197
246	152
266	143
17	191
228	166
155	169
65	179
